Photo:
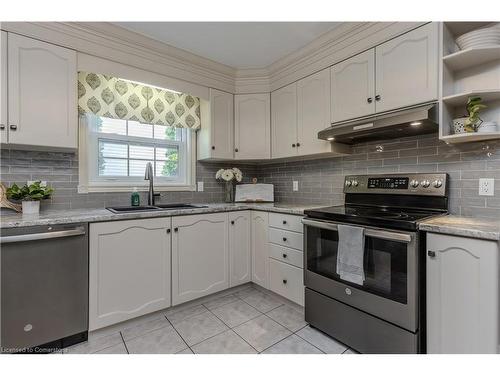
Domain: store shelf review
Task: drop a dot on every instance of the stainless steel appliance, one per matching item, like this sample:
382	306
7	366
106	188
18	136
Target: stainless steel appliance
386	313
44	287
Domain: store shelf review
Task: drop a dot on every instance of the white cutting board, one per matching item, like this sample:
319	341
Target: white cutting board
254	193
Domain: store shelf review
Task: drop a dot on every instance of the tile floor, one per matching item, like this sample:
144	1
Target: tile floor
241	320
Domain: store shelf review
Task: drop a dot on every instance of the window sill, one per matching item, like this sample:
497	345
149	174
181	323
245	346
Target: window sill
128	188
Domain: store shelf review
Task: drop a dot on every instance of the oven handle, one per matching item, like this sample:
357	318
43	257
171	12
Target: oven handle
79	231
382	234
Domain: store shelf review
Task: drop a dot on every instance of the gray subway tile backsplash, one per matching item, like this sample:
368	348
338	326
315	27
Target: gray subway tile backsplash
320	181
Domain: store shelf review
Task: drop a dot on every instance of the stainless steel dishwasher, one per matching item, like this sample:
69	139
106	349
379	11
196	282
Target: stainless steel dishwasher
44	287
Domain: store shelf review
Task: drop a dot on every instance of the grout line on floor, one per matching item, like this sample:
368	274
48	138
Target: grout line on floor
124	343
277	342
182	338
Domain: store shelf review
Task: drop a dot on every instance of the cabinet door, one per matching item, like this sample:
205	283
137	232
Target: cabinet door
284	121
200	256
129	270
407	69
313	112
3	88
240	254
462	295
42	93
353	87
252	126
260	254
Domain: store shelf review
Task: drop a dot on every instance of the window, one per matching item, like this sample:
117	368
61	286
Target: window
119	150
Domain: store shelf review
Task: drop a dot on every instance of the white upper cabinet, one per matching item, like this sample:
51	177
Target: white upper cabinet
407	69
284	121
200	256
42	93
252	126
129	270
313	113
353	87
240	255
3	89
462	295
216	137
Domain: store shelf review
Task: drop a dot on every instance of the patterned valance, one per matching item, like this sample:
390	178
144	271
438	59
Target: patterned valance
113	97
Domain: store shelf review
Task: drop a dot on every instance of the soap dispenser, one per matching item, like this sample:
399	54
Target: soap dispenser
135	199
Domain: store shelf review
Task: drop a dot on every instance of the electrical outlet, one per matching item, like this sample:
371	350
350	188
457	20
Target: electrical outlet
487	186
200	186
295	186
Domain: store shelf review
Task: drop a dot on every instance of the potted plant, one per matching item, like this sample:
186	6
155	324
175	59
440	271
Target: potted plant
30	195
229	175
472	121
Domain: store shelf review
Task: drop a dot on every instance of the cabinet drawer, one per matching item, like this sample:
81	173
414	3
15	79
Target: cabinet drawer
288	222
287	281
286	238
287	255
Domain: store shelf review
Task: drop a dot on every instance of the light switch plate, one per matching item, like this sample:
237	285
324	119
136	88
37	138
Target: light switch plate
200	186
295	186
487	186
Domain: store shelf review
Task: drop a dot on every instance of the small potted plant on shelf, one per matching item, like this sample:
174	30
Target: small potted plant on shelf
228	176
472	122
30	196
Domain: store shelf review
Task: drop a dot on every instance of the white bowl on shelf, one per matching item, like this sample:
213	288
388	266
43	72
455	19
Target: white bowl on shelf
484	37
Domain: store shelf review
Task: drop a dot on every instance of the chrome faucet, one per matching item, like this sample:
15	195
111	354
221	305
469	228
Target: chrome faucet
148	175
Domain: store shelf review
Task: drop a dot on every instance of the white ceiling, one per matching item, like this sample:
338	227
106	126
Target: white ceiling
237	44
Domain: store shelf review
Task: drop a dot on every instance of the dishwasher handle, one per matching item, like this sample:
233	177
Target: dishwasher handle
79	231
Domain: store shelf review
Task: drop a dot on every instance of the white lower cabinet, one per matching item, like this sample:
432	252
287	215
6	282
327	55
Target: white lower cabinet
240	253
462	295
260	256
200	256
287	281
129	270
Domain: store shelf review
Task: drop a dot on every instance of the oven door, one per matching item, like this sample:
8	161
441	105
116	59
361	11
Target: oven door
390	289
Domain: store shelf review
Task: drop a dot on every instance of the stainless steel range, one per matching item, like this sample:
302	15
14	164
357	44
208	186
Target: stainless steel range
385	312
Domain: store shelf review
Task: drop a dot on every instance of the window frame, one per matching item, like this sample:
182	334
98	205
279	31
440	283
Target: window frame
90	181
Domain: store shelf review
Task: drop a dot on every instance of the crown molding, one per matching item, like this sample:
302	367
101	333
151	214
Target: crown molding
115	43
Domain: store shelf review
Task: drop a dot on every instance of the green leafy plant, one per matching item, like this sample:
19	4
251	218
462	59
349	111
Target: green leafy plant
33	192
474	107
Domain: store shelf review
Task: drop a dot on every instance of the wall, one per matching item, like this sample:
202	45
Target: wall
320	181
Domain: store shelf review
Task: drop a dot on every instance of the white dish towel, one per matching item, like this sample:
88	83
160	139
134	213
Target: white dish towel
350	254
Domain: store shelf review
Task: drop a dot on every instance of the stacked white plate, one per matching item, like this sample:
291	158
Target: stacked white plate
484	37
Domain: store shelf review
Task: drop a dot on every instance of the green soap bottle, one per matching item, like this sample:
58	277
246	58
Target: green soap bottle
135	199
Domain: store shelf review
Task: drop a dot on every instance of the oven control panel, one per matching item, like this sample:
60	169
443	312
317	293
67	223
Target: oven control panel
434	184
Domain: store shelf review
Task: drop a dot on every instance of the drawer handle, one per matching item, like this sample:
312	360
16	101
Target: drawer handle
284	239
13	127
284	281
284	255
284	222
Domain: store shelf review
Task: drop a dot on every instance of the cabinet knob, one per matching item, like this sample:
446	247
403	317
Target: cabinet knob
176	229
2	127
298	144
213	147
284	239
284	222
431	254
284	281
369	100
168	230
232	222
13	127
293	144
377	97
284	255
235	150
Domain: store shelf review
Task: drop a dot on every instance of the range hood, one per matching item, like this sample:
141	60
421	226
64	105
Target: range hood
406	122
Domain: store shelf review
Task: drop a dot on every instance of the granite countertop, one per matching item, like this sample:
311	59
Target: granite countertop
487	229
51	217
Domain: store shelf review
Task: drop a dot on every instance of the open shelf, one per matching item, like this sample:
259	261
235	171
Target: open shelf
470	137
471	57
461	98
459	28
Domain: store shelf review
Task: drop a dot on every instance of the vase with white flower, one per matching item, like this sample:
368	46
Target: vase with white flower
229	176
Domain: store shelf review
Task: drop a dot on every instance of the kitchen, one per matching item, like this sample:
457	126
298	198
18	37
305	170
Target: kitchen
338	195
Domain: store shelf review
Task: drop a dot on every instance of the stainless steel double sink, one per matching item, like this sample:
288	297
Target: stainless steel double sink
171	206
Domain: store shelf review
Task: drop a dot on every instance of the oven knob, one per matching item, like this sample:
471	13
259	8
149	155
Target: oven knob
414	183
425	183
347	183
355	183
437	184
